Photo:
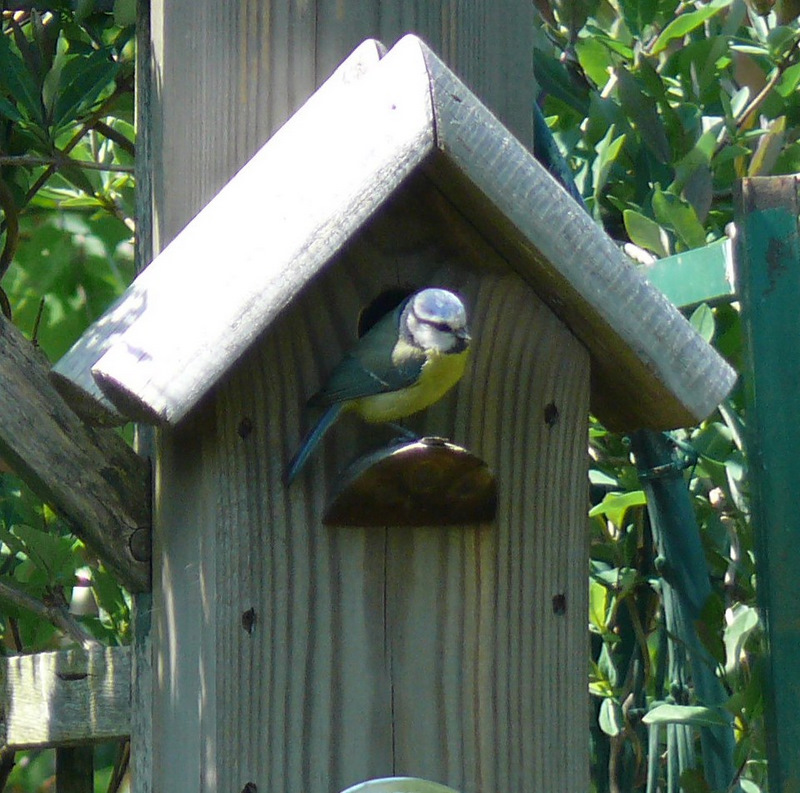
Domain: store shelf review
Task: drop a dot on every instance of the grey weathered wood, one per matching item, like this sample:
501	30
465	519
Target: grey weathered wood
430	652
285	652
65	698
333	165
293	225
92	477
113	336
142	686
649	367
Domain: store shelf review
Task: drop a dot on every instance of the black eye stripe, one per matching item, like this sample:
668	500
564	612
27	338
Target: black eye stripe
442	326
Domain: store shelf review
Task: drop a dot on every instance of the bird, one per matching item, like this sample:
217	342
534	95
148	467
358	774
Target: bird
409	359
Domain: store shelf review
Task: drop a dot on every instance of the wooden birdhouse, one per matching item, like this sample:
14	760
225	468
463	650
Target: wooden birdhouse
299	656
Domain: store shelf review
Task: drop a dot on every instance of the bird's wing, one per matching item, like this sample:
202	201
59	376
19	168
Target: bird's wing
368	368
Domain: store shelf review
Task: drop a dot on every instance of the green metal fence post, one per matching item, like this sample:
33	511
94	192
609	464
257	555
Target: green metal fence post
767	259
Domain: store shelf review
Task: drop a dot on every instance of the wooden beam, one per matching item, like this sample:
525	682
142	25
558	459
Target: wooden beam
92	477
650	369
766	255
65	698
279	183
329	170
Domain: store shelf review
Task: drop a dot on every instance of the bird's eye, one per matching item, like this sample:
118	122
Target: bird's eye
444	327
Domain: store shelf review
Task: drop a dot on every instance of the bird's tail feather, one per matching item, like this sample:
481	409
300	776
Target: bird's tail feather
311	440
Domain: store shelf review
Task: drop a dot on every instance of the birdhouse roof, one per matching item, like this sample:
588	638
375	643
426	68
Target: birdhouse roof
381	118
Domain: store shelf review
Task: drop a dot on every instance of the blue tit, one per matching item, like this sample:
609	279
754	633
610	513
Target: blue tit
405	362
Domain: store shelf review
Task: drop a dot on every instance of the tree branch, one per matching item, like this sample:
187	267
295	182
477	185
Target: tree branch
28	161
56	615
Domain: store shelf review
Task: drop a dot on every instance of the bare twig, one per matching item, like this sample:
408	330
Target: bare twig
36	323
87	126
118	138
57	615
27	161
120	766
11	227
758	99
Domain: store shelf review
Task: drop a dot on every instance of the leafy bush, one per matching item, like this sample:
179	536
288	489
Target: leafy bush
659	111
66	196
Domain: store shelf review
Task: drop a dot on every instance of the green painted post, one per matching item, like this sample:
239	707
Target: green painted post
767	259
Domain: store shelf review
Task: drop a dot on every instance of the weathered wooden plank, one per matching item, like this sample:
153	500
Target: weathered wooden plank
378	129
285	215
338	636
221	92
93	478
766	254
486	46
65	698
649	367
478	620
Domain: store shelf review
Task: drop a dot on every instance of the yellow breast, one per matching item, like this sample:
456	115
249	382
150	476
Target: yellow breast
438	375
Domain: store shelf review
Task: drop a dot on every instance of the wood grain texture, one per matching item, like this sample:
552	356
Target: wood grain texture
92	477
322	657
486	45
65	698
241	253
649	366
379	128
221	87
276	239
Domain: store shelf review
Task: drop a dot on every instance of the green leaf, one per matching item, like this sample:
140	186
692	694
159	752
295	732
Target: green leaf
686	23
554	78
768	149
81	81
708	626
124	12
641	109
18	81
608	150
610	718
597	477
702	320
745	622
10	111
599	596
638	14
677	214
615	505
49	552
789	81
693	780
645	233
694	715
594	59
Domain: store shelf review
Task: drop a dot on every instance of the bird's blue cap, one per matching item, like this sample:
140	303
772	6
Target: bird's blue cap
436	305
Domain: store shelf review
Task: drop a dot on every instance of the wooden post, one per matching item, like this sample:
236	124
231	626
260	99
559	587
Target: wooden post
75	769
240	699
224	81
285	654
767	254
